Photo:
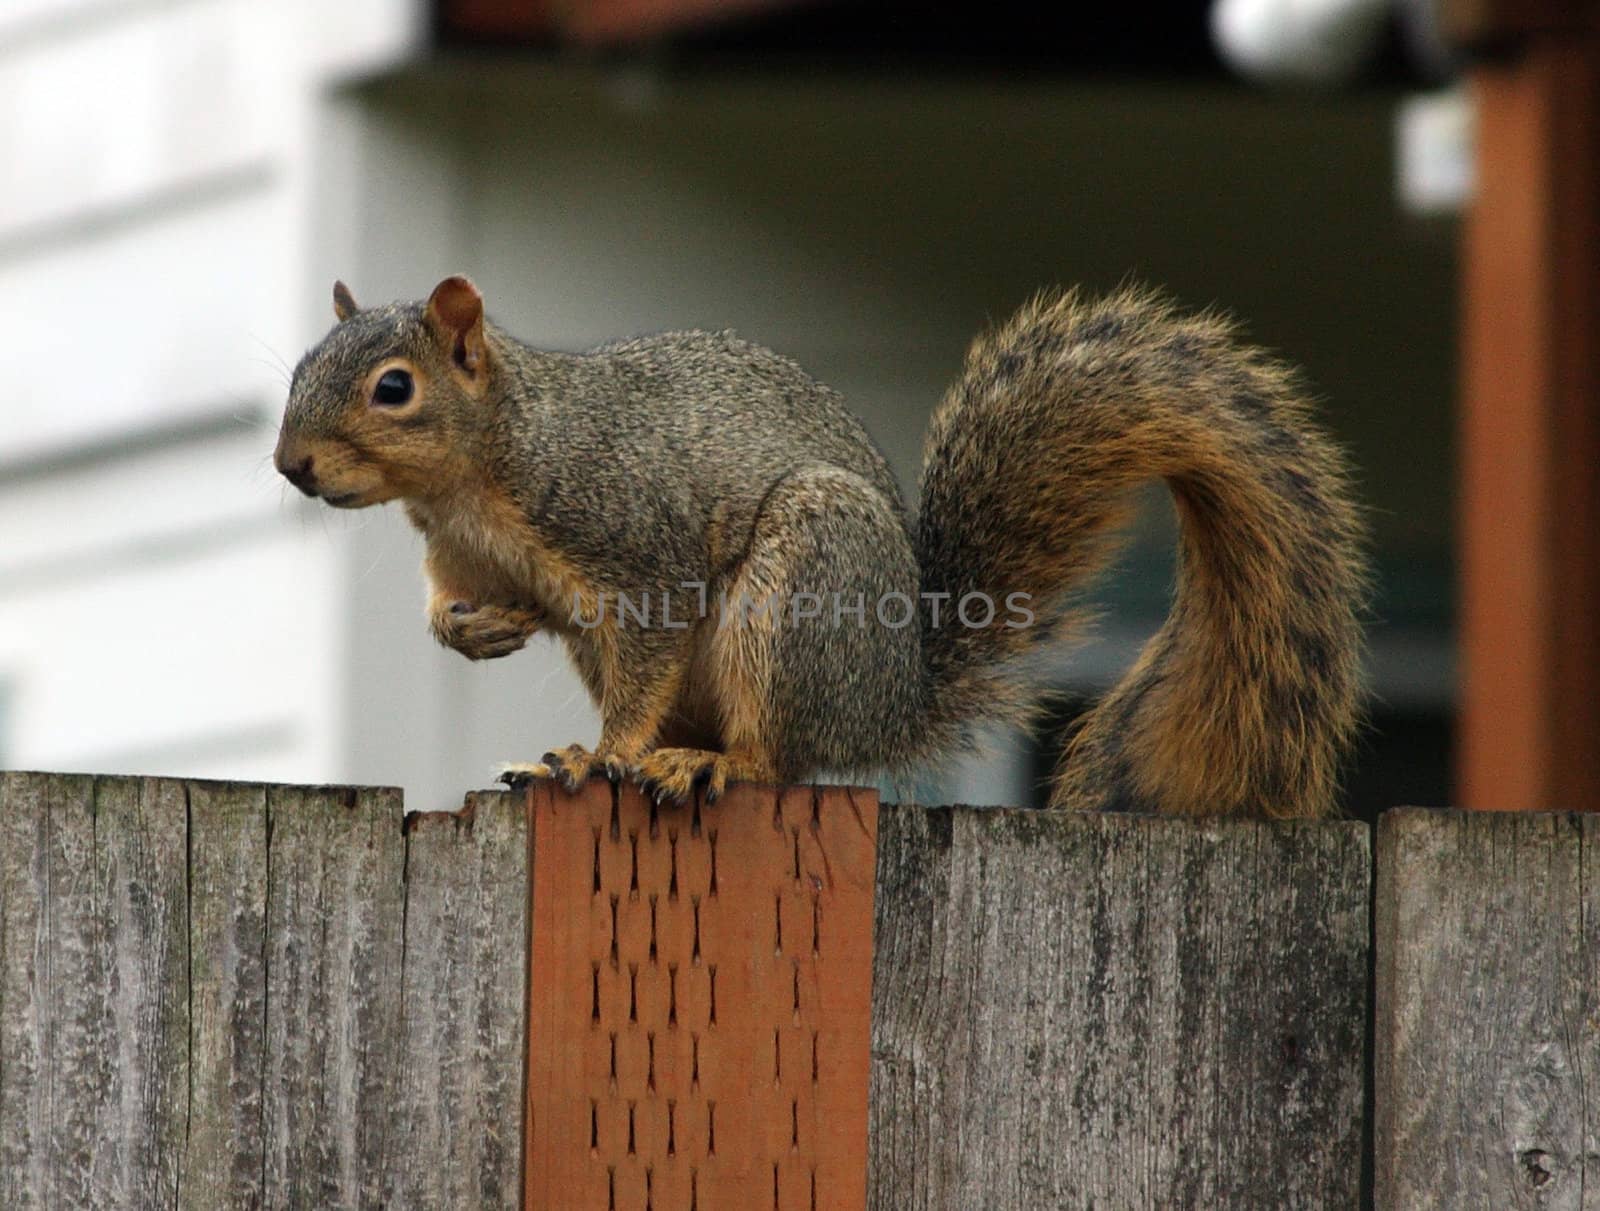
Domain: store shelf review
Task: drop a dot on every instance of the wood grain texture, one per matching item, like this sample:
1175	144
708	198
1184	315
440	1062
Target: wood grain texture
1488	1011
335	912
224	1160
1117	1011
458	1102
201	994
93	991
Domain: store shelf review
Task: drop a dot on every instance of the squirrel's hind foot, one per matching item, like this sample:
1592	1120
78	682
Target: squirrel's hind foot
670	775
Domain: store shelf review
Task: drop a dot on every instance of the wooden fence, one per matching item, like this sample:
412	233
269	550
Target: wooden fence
217	995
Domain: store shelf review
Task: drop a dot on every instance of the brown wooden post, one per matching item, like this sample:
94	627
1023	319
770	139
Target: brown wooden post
1530	428
699	1000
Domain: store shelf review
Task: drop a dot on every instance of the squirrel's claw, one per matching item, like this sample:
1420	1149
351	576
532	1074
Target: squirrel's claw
574	765
571	766
518	775
674	774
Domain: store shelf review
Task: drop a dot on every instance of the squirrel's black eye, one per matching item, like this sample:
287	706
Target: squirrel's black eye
393	389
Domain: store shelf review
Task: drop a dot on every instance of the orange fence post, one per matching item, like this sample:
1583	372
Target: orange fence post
1530	412
700	986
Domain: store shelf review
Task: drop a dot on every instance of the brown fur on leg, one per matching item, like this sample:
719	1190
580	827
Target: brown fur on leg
639	674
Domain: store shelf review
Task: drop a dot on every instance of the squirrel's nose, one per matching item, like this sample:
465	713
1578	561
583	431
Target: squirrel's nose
299	473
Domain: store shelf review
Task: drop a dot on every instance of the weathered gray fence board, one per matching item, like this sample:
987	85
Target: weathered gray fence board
141	875
1117	1012
75	1005
24	991
217	995
93	971
224	1161
460	1087
1488	1011
335	912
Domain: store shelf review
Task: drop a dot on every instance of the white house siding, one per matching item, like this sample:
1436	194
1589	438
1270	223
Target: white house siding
165	606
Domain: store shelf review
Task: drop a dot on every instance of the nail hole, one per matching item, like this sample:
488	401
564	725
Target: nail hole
694	952
594	1126
777	1058
633	992
672	870
597	861
594	1006
814	1066
694	1062
633	874
631	1149
652	927
794	1123
711	1128
816	925
613	1058
777	912
650	1071
614	931
713	1018
672	994
713	837
1537	1164
616	812
672	1127
796	856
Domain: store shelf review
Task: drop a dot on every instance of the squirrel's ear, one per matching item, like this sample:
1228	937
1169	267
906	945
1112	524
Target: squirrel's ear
455	312
344	303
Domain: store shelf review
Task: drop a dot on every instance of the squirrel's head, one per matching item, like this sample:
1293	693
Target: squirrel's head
376	408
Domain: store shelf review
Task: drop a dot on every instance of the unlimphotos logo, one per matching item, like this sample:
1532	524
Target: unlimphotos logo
670	611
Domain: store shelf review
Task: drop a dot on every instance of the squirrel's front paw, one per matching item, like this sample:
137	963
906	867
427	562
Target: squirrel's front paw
483	632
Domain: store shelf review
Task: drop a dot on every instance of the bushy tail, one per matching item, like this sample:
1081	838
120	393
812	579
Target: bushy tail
1247	696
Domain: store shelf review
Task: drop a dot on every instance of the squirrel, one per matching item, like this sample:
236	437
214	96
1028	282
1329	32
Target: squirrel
558	491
